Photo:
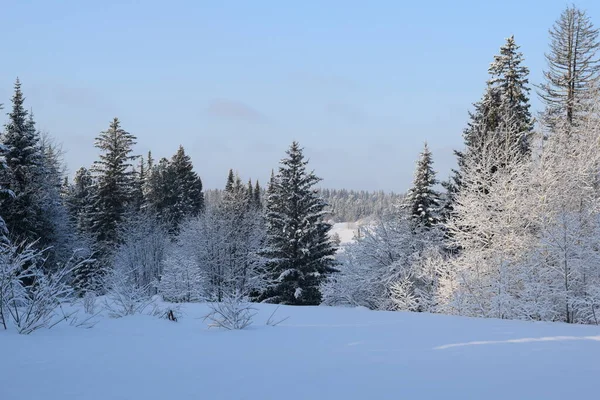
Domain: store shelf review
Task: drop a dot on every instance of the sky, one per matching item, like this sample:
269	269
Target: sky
360	85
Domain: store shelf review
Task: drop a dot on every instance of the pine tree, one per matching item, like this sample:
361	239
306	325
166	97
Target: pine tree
573	72
422	201
299	251
114	183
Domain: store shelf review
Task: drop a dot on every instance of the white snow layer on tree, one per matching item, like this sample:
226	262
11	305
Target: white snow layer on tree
317	353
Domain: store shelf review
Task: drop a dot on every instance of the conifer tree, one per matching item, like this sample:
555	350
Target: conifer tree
257	201
250	194
422	201
114	183
509	77
501	117
80	200
174	190
572	78
189	187
24	163
298	248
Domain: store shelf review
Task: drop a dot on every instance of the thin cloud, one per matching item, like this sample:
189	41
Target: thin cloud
234	110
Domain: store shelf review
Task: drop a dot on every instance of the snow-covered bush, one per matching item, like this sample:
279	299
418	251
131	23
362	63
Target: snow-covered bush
142	252
124	296
234	312
384	254
181	280
402	294
215	254
29	297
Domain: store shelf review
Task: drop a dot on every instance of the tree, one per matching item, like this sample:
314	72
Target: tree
216	255
190	199
257	196
505	101
79	200
510	78
422	200
57	233
113	183
174	190
24	163
298	249
571	80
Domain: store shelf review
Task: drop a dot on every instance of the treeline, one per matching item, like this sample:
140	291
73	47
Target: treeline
129	227
517	236
343	205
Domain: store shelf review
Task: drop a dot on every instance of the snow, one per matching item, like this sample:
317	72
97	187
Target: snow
317	353
345	231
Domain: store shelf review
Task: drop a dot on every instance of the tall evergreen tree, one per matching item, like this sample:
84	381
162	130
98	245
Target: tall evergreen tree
509	77
299	251
572	78
423	201
189	187
174	190
24	163
114	183
501	117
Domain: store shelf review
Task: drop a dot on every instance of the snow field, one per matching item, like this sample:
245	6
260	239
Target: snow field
318	353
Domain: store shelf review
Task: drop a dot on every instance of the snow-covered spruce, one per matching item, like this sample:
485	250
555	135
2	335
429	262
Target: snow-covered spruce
299	251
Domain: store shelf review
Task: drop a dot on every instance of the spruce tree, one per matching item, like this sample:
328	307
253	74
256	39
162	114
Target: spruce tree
423	201
174	190
24	163
190	199
113	183
509	77
573	74
161	192
299	252
257	201
501	117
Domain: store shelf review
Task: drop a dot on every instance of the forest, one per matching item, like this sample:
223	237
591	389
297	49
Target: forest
513	233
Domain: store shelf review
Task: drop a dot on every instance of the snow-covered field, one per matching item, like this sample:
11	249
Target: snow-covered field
318	353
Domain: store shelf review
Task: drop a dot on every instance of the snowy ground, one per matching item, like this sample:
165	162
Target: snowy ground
318	353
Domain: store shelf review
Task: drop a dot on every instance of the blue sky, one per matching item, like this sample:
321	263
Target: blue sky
361	85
